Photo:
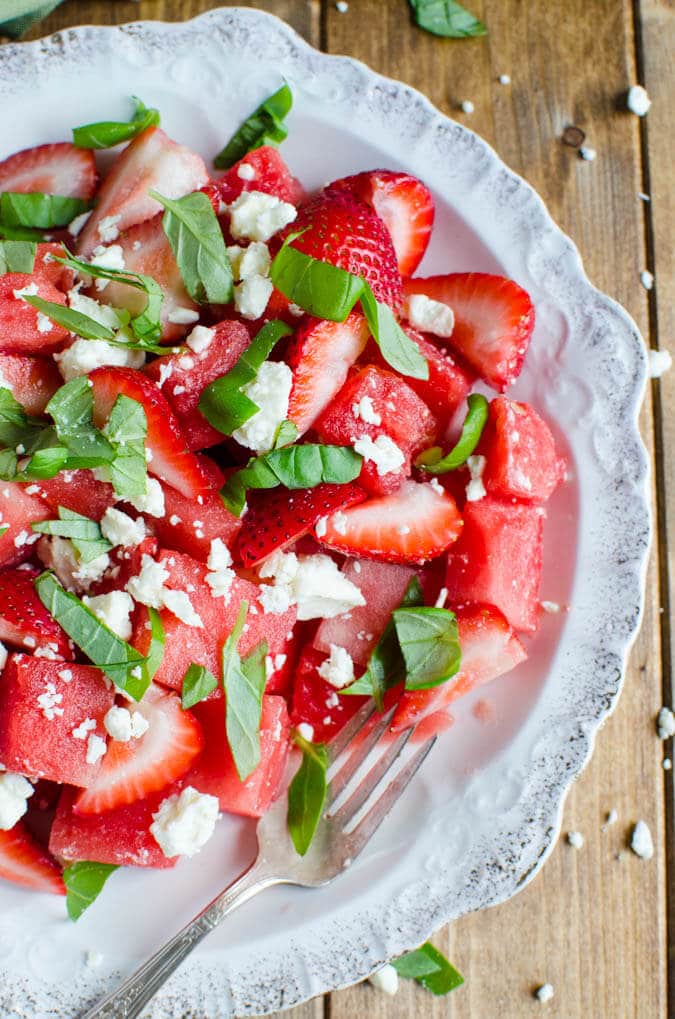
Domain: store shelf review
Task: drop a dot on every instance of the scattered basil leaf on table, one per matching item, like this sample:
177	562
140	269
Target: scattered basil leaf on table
104	134
39	211
74	321
17	256
84	883
84	533
447	18
265	126
121	663
429	642
430	968
193	231
433	461
222	403
307	793
157	641
198	683
244	683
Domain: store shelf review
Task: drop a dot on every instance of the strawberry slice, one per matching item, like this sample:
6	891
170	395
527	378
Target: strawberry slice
24	330
414	524
171	460
32	380
490	648
59	169
131	771
146	250
494	319
271	176
405	205
24	862
346	232
24	621
275	519
151	160
320	355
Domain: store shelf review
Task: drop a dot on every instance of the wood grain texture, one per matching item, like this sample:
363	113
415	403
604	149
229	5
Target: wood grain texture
593	922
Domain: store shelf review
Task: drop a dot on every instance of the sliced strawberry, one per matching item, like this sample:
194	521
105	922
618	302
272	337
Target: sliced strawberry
320	355
183	378
316	702
449	383
78	491
46	266
522	462
271	176
489	647
32	380
346	232
146	250
151	161
190	528
58	169
498	560
23	330
275	519
24	862
494	319
131	771
414	524
18	511
24	621
406	206
171	460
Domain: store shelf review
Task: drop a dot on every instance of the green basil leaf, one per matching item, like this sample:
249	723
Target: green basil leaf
287	433
46	463
75	321
157	641
430	645
307	794
8	462
430	968
72	410
320	289
222	403
17	256
397	348
38	211
3	530
446	18
16	427
106	133
198	683
84	882
244	685
264	127
432	461
192	229
121	663
126	429
20	233
84	533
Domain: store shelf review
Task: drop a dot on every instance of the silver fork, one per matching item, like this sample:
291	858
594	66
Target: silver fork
338	841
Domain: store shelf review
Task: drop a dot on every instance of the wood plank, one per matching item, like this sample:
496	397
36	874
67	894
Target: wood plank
590	924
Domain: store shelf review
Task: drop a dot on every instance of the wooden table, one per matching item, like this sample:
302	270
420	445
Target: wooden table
594	922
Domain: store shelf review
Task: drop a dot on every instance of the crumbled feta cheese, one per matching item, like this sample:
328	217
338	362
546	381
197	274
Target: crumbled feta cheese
638	101
504	79
588	153
575	839
92	958
251	296
544	993
184	823
665	723
296	310
306	731
641	841
15	791
385	979
365	410
28	291
49	703
660	361
467	106
152	502
108	258
321	527
430	316
437	486
75	226
257	216
96	749
442	598
475	490
383	452
552	607
183	316
338	669
123	726
270	391
186	364
82	730
612	818
147	586
84	356
58	554
312	582
275	600
246	172
339	521
179	603
647	279
200	339
221	576
121	529
107	228
255	260
3	656
44	324
113	610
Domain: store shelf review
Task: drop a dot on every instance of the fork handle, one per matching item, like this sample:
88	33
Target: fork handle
129	1000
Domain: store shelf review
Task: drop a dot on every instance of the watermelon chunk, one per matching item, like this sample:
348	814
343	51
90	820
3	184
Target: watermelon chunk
78	491
18	511
522	462
318	703
32	380
190	528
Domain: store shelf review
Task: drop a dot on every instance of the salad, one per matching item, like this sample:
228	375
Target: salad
250	479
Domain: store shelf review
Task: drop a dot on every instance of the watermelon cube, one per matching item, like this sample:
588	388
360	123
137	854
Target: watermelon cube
191	528
78	491
18	511
522	462
318	703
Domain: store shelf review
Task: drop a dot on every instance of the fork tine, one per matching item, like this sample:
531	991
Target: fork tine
370	781
359	754
349	731
368	825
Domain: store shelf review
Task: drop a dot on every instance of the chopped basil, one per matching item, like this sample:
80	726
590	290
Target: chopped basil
430	968
397	348
265	126
222	403
198	683
3	530
17	256
447	18
244	684
72	409
126	429
44	463
38	211
74	321
16	427
157	641
193	231
84	882
304	466
84	533
433	461
106	133
430	645
287	433
20	233
120	662
307	793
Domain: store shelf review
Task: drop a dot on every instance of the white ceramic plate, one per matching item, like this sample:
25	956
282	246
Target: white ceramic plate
486	808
